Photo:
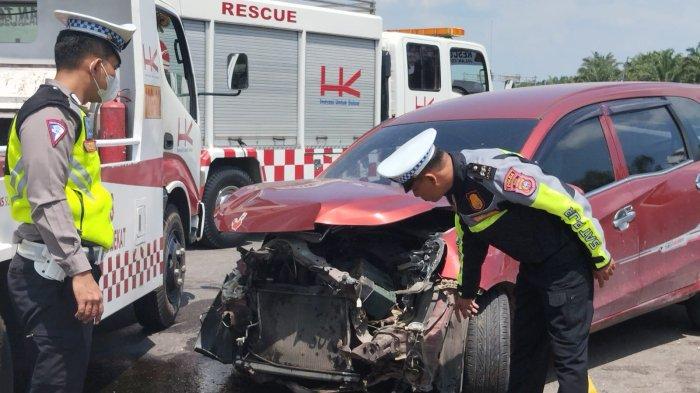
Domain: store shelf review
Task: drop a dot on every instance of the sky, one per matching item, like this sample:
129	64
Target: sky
541	38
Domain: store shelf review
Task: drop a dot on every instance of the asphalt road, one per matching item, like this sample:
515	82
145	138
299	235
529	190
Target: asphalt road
657	352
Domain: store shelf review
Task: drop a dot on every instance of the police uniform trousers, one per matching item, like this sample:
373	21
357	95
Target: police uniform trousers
57	344
553	313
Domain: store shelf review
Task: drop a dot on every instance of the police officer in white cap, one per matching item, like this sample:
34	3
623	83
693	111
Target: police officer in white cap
52	175
503	200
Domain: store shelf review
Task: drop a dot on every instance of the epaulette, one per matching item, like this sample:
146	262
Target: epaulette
480	171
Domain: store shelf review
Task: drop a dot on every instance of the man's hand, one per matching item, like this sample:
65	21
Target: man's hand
466	307
88	296
605	273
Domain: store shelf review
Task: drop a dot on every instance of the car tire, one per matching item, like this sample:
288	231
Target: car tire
487	355
157	310
692	306
218	186
6	372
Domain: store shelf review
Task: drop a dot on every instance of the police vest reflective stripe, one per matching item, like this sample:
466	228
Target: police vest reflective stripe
89	201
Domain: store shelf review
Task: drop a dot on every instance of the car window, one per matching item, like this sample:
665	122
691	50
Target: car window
650	140
423	67
360	161
689	111
579	155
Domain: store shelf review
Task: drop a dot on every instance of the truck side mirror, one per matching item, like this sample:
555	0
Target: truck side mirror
237	71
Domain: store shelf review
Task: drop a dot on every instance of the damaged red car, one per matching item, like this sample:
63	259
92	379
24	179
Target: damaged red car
353	287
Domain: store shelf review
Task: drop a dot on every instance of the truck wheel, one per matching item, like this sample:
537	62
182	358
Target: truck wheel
218	189
5	359
158	309
692	306
487	357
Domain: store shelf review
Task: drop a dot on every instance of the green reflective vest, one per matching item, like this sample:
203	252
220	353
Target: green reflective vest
89	201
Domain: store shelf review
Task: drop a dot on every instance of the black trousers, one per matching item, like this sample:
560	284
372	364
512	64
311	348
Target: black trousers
56	344
553	312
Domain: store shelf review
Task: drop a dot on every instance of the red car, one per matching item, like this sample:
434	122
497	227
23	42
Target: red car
353	285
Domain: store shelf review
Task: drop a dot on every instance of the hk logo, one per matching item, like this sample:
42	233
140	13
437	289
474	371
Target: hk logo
183	134
341	87
149	59
425	102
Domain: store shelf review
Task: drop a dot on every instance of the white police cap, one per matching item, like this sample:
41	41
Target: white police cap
407	162
118	36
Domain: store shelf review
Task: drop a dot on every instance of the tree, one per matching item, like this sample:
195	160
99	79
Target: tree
661	66
598	68
691	65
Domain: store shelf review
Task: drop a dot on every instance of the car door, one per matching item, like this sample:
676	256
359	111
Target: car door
663	180
577	150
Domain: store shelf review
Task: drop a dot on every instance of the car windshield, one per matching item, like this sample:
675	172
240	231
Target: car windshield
360	162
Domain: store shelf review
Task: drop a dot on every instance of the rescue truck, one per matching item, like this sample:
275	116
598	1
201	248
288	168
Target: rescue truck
149	142
313	79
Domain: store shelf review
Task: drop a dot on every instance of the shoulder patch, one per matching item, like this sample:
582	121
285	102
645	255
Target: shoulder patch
480	171
57	130
519	183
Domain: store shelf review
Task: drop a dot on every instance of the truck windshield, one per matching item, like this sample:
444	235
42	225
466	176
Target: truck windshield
360	161
18	22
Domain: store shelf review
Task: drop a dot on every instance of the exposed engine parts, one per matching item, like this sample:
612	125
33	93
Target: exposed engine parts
353	307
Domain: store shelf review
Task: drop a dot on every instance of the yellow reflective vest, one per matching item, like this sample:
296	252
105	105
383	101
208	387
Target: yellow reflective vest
89	201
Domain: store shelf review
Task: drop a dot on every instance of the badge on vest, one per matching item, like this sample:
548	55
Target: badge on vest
90	145
481	171
475	201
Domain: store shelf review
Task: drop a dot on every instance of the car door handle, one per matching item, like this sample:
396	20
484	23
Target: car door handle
623	217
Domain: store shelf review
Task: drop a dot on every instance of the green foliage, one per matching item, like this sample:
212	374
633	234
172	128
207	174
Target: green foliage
664	65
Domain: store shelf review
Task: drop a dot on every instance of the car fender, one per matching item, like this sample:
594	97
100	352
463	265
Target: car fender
497	268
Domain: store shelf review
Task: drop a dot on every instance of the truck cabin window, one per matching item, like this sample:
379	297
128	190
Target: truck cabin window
423	67
468	68
18	22
173	54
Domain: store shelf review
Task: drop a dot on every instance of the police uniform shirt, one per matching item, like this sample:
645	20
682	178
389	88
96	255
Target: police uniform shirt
46	151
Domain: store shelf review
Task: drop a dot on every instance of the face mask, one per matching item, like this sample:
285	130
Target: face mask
112	89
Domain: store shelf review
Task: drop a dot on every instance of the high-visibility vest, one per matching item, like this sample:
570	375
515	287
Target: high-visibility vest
89	201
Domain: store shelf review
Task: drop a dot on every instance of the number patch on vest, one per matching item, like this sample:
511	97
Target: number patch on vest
519	183
57	130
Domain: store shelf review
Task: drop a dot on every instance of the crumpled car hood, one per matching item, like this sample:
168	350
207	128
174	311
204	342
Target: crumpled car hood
298	206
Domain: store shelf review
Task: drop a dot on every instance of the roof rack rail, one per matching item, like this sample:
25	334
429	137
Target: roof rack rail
368	6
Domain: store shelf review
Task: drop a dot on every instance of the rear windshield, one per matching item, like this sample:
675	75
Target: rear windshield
361	160
18	21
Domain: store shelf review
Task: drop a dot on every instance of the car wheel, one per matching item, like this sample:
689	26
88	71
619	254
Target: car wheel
487	357
158	309
5	359
218	189
692	306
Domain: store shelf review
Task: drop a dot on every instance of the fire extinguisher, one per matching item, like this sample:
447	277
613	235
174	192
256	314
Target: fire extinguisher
113	126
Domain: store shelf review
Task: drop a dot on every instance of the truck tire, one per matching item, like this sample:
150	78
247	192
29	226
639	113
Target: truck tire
5	359
158	309
487	356
692	306
219	186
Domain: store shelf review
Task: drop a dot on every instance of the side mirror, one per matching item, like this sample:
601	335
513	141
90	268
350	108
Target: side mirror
237	71
508	84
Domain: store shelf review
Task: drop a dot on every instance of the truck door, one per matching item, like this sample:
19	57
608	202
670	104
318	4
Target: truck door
423	77
179	98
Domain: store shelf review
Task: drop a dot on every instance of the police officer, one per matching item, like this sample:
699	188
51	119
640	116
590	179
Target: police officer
503	200
52	176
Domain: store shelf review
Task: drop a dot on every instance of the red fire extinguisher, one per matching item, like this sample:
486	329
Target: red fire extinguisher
113	126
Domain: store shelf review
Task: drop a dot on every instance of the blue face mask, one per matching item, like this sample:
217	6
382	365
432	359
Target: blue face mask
110	92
